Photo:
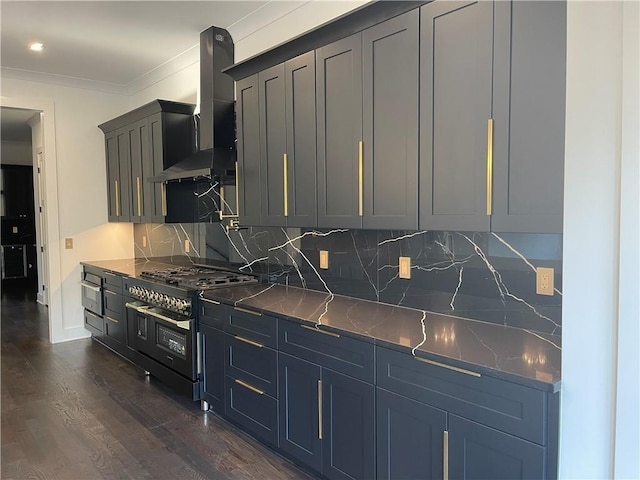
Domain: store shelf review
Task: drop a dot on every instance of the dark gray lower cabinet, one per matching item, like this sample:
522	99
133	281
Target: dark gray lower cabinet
480	452
409	438
212	385
327	420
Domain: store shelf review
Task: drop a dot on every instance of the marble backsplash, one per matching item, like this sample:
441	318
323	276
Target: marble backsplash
484	276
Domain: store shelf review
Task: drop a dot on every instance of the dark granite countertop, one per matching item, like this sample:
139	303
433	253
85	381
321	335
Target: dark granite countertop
519	355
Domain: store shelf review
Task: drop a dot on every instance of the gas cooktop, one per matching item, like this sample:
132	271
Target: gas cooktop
200	277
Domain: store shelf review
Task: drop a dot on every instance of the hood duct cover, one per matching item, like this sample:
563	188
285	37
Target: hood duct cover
216	130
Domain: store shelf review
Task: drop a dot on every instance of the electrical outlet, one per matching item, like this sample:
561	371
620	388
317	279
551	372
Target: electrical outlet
14	229
144	241
187	246
68	243
404	269
544	281
324	259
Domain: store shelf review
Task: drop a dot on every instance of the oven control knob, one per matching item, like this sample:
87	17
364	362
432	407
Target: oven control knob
183	305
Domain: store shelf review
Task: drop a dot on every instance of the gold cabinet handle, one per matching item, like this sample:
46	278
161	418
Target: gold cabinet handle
250	342
331	334
360	177
445	455
112	319
320	409
117	199
286	186
250	387
164	199
139	189
489	165
448	367
244	310
237	191
222	200
209	301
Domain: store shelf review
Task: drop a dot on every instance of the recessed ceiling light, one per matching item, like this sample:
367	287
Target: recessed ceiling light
36	46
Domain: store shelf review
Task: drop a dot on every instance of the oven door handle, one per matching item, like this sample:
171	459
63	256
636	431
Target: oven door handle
90	286
146	309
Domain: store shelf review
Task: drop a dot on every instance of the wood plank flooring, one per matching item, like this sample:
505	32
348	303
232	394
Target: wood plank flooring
78	411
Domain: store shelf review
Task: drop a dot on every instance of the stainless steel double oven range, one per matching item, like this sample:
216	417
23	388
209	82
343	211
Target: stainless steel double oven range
161	318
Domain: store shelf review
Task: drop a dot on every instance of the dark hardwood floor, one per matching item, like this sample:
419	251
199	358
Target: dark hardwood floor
78	411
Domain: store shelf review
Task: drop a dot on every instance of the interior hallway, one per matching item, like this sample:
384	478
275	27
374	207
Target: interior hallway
78	411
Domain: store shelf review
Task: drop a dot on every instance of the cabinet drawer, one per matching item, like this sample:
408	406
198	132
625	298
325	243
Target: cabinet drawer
92	276
505	406
114	328
252	325
212	313
337	352
112	303
254	364
256	412
93	323
112	282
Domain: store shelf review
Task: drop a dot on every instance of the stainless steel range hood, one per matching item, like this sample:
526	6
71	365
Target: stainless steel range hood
215	131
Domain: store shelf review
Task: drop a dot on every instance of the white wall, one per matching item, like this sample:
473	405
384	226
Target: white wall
15	153
599	412
75	192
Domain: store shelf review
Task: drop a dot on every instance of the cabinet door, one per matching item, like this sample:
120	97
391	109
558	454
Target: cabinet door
136	145
155	193
273	144
248	123
409	438
339	113
299	414
300	102
113	177
123	192
213	367
348	427
455	106
479	452
529	109
390	130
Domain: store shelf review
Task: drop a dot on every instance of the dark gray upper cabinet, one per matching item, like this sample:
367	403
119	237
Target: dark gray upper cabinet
339	114
248	123
456	66
368	127
140	144
390	123
529	113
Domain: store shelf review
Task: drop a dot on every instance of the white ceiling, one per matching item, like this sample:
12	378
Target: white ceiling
114	45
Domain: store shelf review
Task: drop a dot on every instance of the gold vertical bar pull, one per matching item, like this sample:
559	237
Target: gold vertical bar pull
222	202
320	409
445	455
489	165
286	186
237	190
117	198
164	199
139	190
360	177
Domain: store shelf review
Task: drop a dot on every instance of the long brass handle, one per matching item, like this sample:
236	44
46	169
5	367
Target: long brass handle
448	367
90	287
251	312
209	301
237	190
286	186
164	199
360	178
112	319
250	342
117	199
109	292
139	189
184	324
222	202
320	331
111	274
489	165
445	455
137	306
250	387
320	409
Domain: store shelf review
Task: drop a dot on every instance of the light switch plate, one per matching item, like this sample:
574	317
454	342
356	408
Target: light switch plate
187	246
404	269
68	243
324	259
144	241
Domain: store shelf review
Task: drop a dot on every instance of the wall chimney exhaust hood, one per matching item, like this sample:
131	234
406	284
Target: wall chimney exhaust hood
215	131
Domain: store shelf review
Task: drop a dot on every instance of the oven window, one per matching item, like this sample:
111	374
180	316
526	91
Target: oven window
172	340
